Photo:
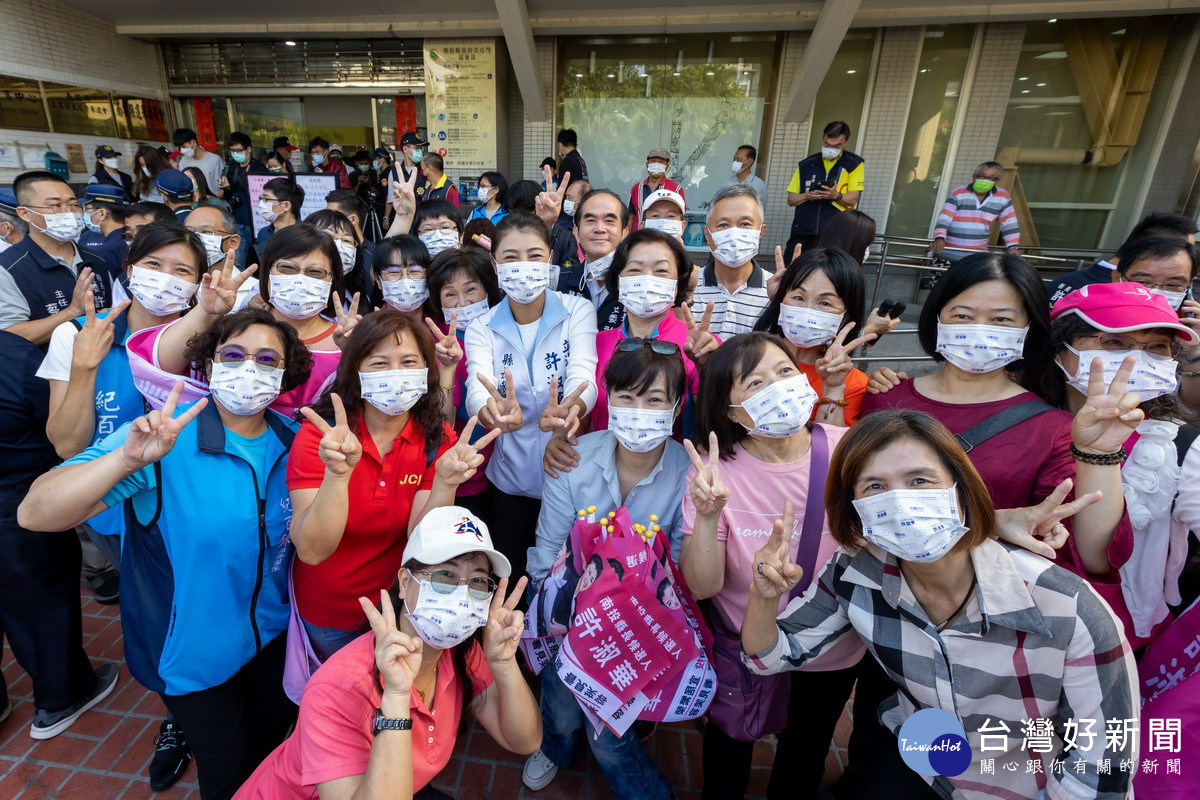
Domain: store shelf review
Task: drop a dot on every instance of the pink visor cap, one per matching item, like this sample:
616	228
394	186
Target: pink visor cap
1122	307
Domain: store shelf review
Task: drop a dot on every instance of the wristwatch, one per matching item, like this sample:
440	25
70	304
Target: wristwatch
383	723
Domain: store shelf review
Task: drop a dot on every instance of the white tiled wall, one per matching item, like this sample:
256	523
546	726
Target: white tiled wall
984	114
787	146
538	138
43	40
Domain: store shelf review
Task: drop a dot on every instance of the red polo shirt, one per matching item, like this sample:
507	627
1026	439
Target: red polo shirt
381	493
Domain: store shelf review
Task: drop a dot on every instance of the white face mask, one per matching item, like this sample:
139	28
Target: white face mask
599	268
187	152
569	207
446	620
1174	298
160	294
111	163
738	166
439	240
980	348
645	295
466	314
830	153
781	409
920	525
146	172
524	281
735	246
482	195
406	294
349	254
656	168
805	327
671	227
640	429
1153	376
264	211
245	389
212	246
299	296
64	227
394	391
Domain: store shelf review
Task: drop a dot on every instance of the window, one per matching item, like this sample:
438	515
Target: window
21	105
844	90
263	120
140	119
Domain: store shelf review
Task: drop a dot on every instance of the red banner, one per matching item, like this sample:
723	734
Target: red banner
406	116
206	131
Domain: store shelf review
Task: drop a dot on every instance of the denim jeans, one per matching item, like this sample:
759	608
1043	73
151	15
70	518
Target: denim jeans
327	641
247	234
630	774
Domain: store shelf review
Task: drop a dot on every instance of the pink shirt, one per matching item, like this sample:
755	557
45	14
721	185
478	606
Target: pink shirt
333	737
757	492
669	330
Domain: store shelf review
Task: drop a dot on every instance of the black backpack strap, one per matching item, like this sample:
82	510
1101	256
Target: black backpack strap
1183	442
999	422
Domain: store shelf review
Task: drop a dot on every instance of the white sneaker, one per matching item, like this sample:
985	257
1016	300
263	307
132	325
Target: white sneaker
538	771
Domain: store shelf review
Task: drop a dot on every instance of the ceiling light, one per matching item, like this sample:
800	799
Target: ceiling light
1023	78
1052	20
676	74
1041	84
611	75
1024	91
578	74
851	71
290	43
924	71
710	73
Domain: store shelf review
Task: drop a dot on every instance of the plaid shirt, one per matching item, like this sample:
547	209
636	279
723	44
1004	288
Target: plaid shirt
1035	644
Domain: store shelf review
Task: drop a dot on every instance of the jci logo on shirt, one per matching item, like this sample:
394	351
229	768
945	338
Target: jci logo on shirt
933	742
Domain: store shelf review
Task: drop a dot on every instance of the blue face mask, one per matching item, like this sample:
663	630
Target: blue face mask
91	226
316	159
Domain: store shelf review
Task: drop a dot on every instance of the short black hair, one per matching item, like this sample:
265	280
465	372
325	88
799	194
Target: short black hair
182	136
434	160
522	196
839	267
286	190
297	360
548	161
330	219
1154	247
474	261
520	221
497	180
157	235
348	203
837	128
237	137
300	240
480	226
410	250
317	141
156	211
750	149
1163	224
625	215
637	370
683	264
26	180
275	155
568	137
727	365
429	209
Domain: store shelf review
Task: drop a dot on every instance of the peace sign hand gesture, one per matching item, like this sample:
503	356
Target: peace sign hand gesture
219	288
404	192
457	465
95	338
346	321
774	573
708	494
152	436
1039	528
445	345
700	343
548	204
835	365
502	634
781	267
1110	415
557	415
500	411
397	655
339	447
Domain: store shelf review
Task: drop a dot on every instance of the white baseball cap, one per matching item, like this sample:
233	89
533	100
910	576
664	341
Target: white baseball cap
664	194
449	532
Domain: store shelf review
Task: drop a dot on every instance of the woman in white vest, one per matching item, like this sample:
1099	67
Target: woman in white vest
532	365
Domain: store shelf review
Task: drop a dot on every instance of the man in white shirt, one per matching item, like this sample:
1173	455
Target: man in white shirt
731	280
193	155
744	160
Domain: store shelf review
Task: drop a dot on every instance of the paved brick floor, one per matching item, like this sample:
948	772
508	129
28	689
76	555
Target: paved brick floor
105	753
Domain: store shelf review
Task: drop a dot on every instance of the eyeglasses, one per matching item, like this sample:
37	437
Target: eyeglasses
1171	286
445	582
1116	343
69	207
396	273
315	273
266	360
212	232
656	345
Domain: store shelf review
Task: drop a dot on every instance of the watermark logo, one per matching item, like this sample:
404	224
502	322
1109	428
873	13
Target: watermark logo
933	742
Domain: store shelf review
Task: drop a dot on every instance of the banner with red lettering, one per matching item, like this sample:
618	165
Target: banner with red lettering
406	116
206	130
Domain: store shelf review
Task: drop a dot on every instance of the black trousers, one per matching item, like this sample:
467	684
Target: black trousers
807	243
816	703
232	727
40	609
513	525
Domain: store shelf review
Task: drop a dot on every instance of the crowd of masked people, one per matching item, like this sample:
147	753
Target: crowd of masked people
322	459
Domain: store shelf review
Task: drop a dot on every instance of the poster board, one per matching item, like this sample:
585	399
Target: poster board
315	185
75	158
460	102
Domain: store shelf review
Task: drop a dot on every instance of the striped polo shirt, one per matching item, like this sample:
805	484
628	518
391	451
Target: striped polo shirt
966	220
733	312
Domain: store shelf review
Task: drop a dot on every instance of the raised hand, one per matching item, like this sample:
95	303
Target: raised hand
219	288
1039	528
708	494
339	449
774	574
404	192
152	436
556	415
346	321
781	267
835	365
548	204
95	338
700	343
1110	414
880	324
502	633
883	380
561	455
83	296
500	411
397	655
445	345
458	465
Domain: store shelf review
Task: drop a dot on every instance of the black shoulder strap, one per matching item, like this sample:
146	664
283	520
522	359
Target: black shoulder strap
999	422
1183	442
